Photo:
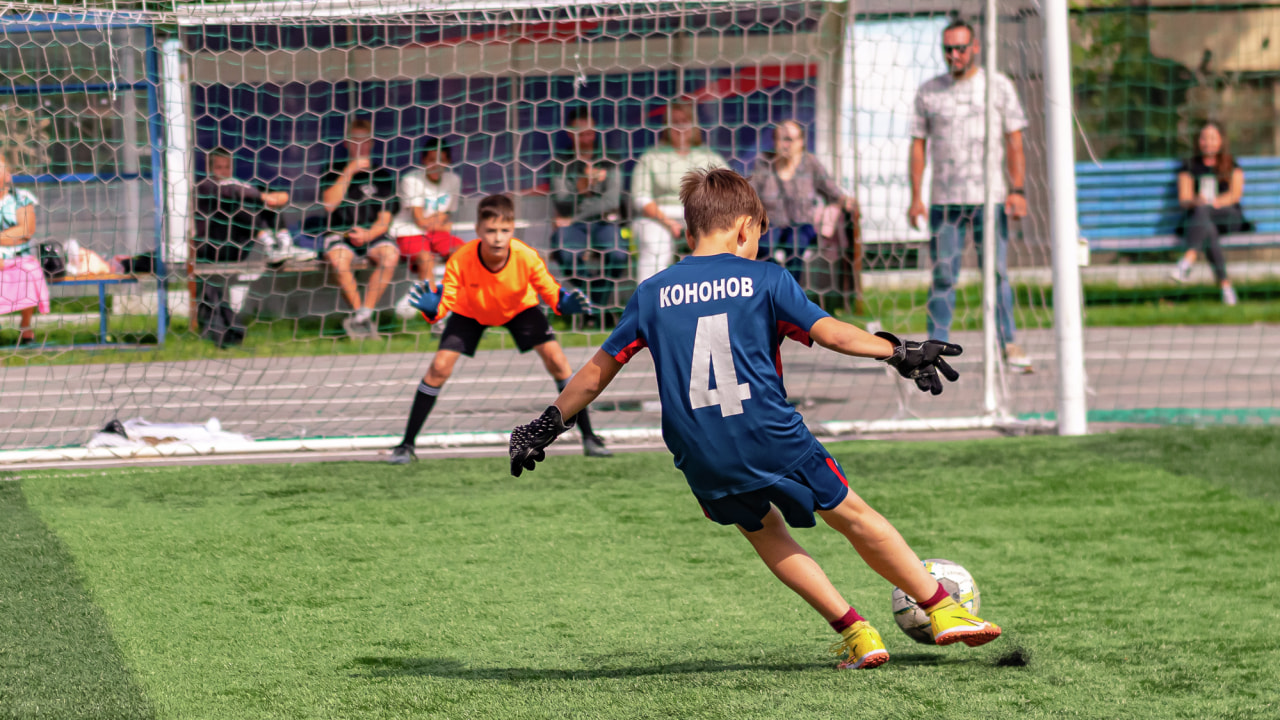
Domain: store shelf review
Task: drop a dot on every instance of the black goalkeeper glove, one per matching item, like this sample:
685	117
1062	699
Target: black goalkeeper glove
922	361
529	442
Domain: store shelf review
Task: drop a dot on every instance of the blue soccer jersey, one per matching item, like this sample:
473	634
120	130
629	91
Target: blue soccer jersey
714	325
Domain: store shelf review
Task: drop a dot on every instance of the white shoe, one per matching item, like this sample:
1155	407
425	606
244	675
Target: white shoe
1180	273
1017	359
404	310
1229	296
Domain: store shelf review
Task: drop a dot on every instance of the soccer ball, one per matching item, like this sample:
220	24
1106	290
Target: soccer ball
958	583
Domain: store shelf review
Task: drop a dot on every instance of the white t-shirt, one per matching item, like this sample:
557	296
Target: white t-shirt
417	191
951	115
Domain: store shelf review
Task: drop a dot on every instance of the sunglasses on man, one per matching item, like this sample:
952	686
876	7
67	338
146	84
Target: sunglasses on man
948	49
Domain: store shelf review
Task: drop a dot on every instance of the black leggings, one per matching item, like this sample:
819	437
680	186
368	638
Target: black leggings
1205	225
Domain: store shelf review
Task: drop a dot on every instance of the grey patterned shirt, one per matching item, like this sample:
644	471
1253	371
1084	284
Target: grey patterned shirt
791	202
949	114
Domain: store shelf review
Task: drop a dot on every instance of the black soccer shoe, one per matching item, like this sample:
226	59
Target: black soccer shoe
593	446
402	455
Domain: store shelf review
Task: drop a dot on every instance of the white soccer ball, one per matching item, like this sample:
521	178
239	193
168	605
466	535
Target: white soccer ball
954	579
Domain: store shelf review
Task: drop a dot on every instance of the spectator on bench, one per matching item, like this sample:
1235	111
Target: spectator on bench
1210	186
22	285
229	211
655	188
789	182
423	228
361	200
586	193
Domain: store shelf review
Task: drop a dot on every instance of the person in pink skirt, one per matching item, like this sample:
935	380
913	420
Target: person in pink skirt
22	285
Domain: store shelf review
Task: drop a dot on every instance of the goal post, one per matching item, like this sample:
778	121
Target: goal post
275	83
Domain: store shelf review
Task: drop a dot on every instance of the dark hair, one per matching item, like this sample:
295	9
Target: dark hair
714	200
360	123
960	23
582	112
434	143
496	207
1226	162
219	152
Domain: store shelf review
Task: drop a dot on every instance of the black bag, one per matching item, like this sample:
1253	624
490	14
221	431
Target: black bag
53	260
216	319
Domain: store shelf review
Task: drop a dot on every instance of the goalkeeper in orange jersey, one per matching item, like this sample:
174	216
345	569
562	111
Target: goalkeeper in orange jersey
491	281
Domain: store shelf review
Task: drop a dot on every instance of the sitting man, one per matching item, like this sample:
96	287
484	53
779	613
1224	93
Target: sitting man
424	226
229	211
586	192
361	200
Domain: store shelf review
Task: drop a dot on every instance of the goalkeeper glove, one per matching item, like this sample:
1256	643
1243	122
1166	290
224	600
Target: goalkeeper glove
529	442
922	361
425	299
574	302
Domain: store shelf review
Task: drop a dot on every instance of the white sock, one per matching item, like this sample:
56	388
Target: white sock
364	314
1184	264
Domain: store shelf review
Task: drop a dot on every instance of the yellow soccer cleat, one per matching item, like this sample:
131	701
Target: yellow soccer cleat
951	623
860	647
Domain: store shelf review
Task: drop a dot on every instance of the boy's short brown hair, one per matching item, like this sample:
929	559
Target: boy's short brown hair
714	200
496	207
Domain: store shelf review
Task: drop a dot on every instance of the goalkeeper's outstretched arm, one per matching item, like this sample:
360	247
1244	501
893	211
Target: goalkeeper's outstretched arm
587	384
849	339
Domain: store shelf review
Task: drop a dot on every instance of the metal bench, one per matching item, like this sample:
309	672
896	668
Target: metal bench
102	280
1132	206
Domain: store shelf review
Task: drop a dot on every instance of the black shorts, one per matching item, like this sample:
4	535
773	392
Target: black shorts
529	329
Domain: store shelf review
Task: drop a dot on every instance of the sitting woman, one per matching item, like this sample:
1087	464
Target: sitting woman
22	285
655	188
586	192
1210	186
790	181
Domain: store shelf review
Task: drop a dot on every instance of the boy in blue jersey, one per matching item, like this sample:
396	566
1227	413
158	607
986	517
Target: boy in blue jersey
714	323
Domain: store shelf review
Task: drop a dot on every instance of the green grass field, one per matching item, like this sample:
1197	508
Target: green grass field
1134	572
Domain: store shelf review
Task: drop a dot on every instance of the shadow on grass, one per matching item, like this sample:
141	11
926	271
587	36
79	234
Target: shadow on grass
373	667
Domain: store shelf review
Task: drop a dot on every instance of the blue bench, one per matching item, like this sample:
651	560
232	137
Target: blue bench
1132	206
102	281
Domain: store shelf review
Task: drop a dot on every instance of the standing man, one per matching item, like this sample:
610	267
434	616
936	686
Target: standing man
950	121
361	201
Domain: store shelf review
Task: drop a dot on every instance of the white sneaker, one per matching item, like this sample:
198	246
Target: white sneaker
404	310
1228	296
1180	273
1017	359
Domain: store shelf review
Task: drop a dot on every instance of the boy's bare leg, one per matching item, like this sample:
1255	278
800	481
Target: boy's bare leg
423	401
424	265
881	546
553	358
792	565
441	367
385	257
340	258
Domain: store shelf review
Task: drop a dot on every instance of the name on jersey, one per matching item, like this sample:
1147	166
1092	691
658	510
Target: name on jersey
705	291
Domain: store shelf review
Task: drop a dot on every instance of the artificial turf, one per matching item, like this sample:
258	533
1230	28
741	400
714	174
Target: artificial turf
1131	573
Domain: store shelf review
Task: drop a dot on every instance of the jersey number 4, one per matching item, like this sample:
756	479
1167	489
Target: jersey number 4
712	349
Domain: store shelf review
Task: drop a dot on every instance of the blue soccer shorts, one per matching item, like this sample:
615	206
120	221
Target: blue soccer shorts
817	484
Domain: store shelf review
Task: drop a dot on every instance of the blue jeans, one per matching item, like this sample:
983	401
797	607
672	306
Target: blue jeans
792	241
593	258
947	226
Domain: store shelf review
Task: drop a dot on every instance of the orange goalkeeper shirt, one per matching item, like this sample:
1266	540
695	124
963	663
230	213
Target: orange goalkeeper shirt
493	298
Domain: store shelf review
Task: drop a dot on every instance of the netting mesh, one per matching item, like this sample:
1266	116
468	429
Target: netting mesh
110	120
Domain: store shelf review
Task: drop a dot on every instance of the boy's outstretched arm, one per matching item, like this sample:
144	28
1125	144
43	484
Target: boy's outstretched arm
918	361
529	442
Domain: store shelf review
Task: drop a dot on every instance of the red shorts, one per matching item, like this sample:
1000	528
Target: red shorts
438	242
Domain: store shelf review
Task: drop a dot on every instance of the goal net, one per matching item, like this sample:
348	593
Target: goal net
115	119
